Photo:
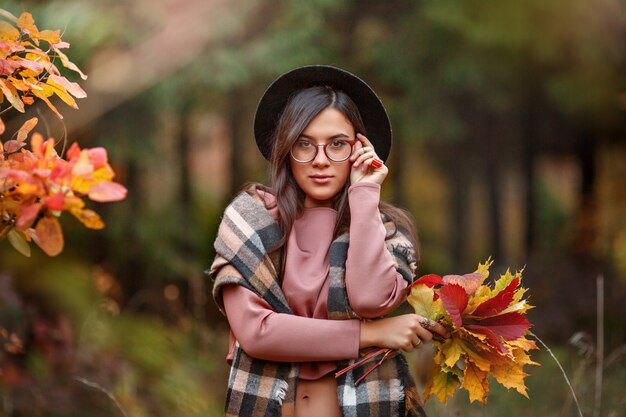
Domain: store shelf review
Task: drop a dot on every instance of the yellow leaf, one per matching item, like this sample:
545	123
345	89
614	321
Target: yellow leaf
8	32
44	98
49	236
442	385
483	268
421	299
452	349
60	91
12	95
89	218
105	173
476	382
18	241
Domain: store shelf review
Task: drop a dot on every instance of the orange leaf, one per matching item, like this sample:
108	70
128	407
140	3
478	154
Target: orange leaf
89	218
27	23
23	131
12	95
50	36
49	236
442	385
511	375
476	382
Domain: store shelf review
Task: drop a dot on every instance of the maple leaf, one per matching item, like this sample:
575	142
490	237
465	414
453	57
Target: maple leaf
454	300
442	385
470	282
498	303
421	298
476	382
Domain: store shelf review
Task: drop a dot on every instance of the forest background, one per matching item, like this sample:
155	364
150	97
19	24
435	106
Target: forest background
509	141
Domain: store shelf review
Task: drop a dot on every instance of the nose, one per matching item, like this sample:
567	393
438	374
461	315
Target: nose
320	158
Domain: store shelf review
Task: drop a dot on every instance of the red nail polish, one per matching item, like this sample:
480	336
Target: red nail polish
377	163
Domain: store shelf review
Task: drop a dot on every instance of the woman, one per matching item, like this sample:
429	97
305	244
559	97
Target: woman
306	268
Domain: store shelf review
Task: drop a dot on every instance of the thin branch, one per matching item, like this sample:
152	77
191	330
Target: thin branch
100	388
562	371
597	402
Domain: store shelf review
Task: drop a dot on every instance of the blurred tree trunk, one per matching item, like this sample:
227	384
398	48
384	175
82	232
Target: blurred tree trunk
458	232
398	176
235	111
529	125
491	173
586	229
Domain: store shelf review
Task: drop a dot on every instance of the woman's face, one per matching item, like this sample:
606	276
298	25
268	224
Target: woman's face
321	179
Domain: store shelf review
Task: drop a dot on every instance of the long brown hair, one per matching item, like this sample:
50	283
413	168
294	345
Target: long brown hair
301	108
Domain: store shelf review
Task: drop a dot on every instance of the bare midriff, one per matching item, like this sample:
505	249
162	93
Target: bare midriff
317	397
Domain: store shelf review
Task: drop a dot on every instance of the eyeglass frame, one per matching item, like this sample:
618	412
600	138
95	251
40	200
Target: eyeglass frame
352	142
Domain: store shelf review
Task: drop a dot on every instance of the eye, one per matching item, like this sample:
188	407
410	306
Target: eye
338	144
303	144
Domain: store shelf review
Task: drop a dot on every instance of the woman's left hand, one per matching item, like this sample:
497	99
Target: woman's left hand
366	165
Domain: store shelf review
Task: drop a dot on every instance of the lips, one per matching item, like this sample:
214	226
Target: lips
320	179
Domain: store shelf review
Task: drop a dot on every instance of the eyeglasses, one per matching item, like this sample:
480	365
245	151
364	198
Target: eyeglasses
337	151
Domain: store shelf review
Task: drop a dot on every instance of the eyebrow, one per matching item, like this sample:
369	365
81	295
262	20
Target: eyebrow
338	135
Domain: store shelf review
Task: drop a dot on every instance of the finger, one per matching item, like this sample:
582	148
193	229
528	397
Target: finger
424	334
434	327
363	156
357	150
364	140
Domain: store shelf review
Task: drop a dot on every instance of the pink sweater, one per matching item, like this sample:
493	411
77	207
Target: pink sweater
373	285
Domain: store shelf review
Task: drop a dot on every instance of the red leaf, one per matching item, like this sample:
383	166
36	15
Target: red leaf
429	280
510	325
454	300
491	336
499	302
28	214
55	202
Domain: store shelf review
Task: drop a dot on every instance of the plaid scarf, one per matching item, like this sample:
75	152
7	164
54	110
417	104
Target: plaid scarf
261	388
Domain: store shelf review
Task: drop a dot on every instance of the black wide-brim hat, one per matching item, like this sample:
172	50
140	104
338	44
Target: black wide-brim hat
275	98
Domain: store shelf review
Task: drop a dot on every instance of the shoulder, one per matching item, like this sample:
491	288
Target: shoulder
263	194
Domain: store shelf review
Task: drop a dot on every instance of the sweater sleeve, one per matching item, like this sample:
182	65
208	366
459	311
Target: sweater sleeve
265	334
373	284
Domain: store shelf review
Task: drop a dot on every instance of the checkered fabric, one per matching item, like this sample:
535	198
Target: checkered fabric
259	388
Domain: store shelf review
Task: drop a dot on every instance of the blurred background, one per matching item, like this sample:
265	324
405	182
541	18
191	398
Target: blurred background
509	126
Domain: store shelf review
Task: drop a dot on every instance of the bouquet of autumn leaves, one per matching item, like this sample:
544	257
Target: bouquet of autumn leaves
488	330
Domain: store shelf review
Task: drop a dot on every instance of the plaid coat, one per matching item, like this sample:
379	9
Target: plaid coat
261	388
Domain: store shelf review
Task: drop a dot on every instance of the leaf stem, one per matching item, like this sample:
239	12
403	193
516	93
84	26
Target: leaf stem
562	371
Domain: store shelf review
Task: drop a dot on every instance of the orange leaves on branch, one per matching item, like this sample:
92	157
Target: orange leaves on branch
37	185
488	330
28	68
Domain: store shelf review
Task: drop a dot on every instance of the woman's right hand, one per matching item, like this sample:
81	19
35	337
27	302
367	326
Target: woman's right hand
406	332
